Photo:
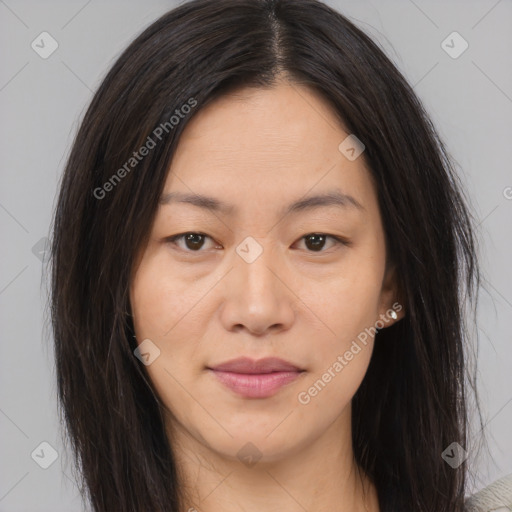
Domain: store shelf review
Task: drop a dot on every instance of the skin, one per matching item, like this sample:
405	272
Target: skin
259	150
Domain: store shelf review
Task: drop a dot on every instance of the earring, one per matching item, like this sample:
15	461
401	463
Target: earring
393	315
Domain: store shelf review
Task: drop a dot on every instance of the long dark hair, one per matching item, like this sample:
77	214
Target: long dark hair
412	403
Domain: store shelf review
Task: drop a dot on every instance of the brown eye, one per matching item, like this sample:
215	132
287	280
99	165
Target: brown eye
191	242
315	242
194	241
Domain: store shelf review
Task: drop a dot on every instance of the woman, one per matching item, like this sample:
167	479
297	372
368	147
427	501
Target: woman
261	258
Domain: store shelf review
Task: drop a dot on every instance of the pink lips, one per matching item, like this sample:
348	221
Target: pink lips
256	379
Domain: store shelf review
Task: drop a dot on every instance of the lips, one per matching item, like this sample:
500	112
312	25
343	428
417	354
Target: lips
250	378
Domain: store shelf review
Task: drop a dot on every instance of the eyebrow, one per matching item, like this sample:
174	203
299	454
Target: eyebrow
330	198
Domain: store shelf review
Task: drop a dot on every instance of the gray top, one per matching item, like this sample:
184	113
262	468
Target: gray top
496	497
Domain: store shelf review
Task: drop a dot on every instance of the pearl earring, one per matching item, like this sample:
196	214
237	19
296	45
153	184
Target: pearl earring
393	315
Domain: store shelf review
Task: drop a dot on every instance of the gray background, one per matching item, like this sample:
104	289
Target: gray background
469	99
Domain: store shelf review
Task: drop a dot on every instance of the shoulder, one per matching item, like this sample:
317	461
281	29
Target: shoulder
496	497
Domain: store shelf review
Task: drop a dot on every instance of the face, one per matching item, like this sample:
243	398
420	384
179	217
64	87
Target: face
268	243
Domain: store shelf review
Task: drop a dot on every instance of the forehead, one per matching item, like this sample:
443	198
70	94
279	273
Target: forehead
264	144
285	120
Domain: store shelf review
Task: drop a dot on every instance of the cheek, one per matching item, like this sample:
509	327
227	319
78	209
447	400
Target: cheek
348	300
161	300
348	308
340	361
167	311
163	312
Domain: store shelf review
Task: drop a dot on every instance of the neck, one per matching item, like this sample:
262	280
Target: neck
322	475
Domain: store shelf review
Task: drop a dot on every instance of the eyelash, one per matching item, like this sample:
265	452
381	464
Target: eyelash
172	239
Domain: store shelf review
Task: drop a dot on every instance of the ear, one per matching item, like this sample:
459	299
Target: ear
390	298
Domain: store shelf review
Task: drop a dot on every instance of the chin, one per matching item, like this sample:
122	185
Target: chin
251	445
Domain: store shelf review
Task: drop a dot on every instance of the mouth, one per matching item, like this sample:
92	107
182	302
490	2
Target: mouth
250	378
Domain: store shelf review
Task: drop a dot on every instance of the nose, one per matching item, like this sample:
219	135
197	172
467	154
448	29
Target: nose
257	295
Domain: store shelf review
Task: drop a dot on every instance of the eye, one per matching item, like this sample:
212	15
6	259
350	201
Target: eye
192	241
315	242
